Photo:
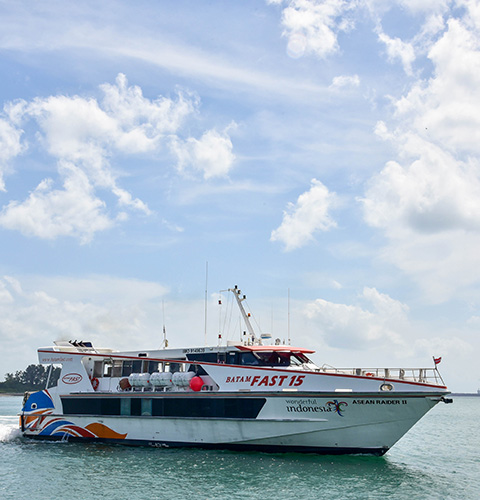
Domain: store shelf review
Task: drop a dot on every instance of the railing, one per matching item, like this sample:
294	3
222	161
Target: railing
419	375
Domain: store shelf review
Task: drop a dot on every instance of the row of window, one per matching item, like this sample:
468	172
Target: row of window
164	407
252	358
119	368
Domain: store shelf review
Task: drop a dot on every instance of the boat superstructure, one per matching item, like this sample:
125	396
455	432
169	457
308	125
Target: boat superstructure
243	395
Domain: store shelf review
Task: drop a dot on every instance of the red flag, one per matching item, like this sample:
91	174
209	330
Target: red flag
437	360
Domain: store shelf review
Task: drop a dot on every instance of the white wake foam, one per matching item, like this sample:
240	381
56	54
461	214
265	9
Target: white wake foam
9	429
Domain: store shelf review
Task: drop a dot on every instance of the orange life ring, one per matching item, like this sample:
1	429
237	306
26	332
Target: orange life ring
369	374
95	383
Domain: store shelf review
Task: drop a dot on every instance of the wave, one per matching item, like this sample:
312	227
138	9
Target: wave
9	432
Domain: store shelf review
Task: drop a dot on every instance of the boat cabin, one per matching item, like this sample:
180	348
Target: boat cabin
277	355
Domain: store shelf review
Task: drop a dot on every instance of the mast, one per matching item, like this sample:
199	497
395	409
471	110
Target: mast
165	341
206	299
240	298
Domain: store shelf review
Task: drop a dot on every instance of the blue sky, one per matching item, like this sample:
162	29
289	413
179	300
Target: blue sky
326	148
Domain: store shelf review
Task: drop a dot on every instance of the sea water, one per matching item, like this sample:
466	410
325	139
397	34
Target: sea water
438	459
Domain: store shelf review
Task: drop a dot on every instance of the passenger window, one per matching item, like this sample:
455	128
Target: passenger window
125	406
107	369
117	369
98	369
137	366
146	407
284	359
127	368
248	358
153	367
174	367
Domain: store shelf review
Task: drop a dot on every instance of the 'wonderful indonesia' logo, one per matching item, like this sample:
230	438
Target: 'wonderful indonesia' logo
331	406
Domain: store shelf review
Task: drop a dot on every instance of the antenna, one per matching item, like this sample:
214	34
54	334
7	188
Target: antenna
288	321
220	315
206	301
165	341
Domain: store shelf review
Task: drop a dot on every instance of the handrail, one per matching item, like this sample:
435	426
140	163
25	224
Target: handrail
419	375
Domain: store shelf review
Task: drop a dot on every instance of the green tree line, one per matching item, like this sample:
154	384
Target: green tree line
33	378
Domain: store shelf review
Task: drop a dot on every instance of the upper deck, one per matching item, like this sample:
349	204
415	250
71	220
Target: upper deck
221	368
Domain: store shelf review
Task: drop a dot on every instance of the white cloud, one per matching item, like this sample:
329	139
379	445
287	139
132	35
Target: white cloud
10	146
5	295
309	215
429	6
345	81
312	26
142	122
444	265
49	213
126	199
433	193
74	128
382	329
398	49
449	104
430	13
427	201
85	136
354	327
87	132
211	154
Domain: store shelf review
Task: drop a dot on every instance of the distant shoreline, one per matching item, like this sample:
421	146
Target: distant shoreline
474	394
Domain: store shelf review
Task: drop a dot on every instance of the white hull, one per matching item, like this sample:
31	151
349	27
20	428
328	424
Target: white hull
365	424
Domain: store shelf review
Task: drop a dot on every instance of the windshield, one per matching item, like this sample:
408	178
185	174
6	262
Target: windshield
298	359
265	358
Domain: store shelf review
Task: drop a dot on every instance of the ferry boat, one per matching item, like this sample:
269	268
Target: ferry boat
246	395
